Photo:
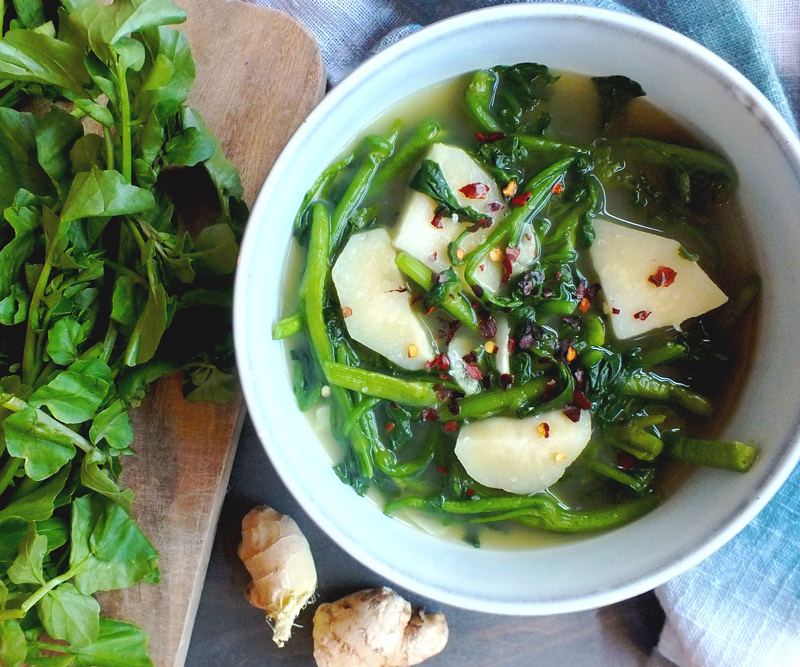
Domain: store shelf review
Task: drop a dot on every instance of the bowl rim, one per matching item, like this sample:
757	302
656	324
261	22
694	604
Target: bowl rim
785	139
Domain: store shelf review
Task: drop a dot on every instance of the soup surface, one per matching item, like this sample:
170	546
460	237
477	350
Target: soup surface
522	303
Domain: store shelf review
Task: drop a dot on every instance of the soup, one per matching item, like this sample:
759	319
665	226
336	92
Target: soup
517	303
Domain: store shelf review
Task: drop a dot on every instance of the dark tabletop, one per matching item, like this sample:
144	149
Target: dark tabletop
230	633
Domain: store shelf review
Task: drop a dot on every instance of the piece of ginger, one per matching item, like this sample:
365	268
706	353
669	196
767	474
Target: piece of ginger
278	558
376	628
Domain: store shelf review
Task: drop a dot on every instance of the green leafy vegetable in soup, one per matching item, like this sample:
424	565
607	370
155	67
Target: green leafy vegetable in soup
515	309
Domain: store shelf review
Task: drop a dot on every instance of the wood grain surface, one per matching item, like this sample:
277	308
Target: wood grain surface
259	73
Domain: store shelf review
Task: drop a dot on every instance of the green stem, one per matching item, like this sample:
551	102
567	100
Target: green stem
109	144
369	383
288	326
479	99
425	134
656	388
320	189
15	404
454	303
124	270
313	289
11	614
49	586
488	403
125	129
7	473
30	364
729	455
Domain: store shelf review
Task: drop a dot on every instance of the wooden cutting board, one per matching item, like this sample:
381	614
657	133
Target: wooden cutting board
259	74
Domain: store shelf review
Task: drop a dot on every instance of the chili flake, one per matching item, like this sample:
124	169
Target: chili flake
475	191
625	460
505	381
490	347
413	351
430	310
451	426
511	189
389	427
491	207
571	354
584	305
443	470
521	200
470	492
558	188
437	219
580	400
544	429
511	256
489	137
473	371
432	257
663	277
615	311
440	361
642	315
572	412
347	311
430	414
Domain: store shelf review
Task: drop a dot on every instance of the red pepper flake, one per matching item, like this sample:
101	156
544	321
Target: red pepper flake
558	188
544	429
389	427
557	275
430	415
451	426
615	311
489	137
580	400
481	267
483	223
437	219
430	310
478	291
443	470
521	200
511	256
473	371
440	361
400	289
475	190
505	381
625	460
549	390
486	325
433	257
347	311
642	315
572	412
663	277
511	345
444	376
584	305
470	492
491	207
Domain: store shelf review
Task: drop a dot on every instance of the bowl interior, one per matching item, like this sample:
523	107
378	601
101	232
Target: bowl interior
711	506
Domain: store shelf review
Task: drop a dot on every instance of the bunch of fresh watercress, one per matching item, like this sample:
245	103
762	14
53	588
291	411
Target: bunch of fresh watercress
102	291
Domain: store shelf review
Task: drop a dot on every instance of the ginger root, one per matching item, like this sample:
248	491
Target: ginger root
376	628
277	556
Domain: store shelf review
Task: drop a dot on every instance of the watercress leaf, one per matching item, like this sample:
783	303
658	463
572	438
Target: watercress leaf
44	449
71	397
14	308
132	383
13	645
124	301
30	12
615	92
94	368
112	425
213	387
150	327
12	256
109	550
105	25
216	249
223	174
95	111
28	566
520	89
189	147
28	55
169	73
103	78
104	193
70	615
56	134
19	168
130	53
39	504
35	659
3	594
429	180
118	644
63	340
98	479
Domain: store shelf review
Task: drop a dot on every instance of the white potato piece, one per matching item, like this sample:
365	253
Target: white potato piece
625	258
415	234
377	314
522	455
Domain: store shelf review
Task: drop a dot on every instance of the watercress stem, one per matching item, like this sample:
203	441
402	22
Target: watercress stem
125	129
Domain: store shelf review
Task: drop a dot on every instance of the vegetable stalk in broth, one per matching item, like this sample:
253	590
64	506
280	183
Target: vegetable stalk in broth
514	313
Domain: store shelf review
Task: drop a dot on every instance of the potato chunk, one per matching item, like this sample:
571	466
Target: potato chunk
522	455
415	234
377	313
646	282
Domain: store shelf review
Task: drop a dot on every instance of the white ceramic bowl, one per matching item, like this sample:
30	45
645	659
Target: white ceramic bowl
696	87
